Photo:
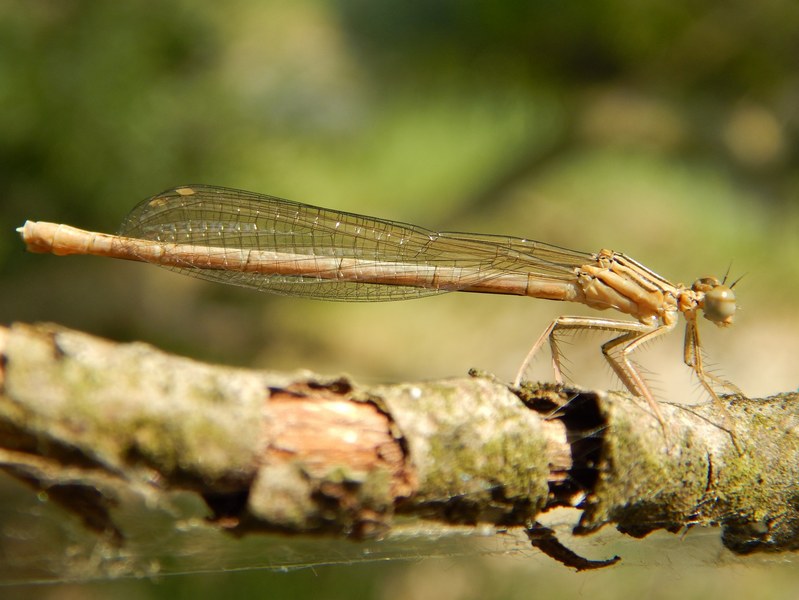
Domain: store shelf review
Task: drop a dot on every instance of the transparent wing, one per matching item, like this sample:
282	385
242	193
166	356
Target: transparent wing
216	217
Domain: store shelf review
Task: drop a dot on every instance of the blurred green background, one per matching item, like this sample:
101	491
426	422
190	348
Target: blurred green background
666	129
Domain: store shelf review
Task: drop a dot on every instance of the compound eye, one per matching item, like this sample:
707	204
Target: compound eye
719	305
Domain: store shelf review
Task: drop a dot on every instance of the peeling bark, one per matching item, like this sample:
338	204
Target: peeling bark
91	422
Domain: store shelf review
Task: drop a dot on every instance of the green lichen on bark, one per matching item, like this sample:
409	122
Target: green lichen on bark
75	411
697	476
645	480
118	401
471	441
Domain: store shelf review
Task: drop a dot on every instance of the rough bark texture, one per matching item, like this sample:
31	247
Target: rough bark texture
297	453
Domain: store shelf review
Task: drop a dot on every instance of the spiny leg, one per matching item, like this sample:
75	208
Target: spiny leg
577	323
632	335
626	370
533	351
632	329
629	329
692	355
623	368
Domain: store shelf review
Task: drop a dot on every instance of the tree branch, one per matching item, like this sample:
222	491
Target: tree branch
299	453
